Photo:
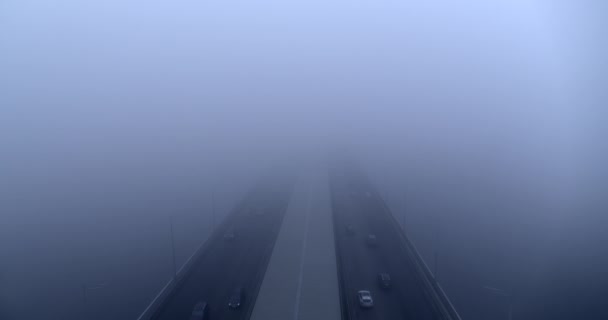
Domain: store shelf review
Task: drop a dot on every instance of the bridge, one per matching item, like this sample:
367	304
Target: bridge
301	245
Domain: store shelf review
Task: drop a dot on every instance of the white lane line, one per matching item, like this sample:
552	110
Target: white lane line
303	255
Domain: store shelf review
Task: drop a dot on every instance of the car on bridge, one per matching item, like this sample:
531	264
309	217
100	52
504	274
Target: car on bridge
237	298
200	312
256	211
371	240
229	236
365	299
384	280
350	229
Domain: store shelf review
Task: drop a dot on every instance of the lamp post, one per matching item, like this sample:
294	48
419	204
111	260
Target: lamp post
435	273
85	299
172	245
87	287
505	294
437	248
403	212
213	219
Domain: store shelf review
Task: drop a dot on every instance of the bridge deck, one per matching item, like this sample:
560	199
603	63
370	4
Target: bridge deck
301	280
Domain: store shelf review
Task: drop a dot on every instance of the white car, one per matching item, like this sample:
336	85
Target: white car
372	241
365	299
229	236
200	311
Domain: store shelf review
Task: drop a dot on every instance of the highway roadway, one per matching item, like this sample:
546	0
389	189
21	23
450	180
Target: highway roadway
356	203
227	264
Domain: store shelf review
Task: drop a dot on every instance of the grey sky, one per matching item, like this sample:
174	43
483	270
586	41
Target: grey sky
116	76
314	63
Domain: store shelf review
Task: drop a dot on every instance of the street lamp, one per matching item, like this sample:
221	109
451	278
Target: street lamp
87	287
436	263
504	294
403	207
172	245
437	248
213	209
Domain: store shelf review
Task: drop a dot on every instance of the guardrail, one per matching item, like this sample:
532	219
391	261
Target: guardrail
169	288
175	282
345	310
434	290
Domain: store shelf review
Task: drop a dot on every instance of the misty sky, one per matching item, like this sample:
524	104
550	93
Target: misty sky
104	84
139	93
116	70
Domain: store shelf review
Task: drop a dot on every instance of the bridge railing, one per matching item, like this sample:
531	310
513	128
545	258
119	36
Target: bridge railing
169	288
153	309
434	290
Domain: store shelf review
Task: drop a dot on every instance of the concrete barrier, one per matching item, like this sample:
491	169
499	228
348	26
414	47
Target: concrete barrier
174	283
430	283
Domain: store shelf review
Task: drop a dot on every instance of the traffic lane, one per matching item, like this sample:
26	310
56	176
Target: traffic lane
361	274
396	257
192	290
199	288
406	299
240	270
405	284
387	304
230	265
361	266
226	266
216	277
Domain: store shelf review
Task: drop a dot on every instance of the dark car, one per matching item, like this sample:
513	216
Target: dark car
237	298
200	311
350	229
259	212
256	211
371	240
384	280
229	236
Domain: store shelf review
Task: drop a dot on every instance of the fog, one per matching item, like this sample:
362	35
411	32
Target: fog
481	121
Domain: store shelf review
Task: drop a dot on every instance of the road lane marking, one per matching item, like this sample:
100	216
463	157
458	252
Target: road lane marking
303	255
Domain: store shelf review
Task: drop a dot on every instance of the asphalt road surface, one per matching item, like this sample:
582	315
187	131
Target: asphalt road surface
355	203
228	264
